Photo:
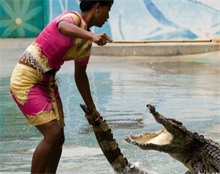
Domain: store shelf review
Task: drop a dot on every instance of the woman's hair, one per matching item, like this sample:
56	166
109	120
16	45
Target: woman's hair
86	5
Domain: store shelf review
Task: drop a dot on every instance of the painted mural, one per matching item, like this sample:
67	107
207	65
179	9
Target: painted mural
129	19
22	18
156	19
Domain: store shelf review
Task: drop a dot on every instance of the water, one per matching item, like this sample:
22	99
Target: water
185	88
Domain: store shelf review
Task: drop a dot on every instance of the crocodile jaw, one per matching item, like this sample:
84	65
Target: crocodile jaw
151	141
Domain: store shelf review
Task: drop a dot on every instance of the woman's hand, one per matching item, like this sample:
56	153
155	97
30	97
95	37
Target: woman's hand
101	39
94	117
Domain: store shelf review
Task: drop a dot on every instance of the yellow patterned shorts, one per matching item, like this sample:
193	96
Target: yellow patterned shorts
37	95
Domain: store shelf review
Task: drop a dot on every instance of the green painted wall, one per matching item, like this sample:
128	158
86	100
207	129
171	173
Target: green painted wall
23	18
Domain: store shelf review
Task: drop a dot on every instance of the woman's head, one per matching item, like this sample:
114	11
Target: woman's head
86	5
98	9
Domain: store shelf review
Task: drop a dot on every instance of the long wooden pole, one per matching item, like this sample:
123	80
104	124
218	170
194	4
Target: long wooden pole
160	41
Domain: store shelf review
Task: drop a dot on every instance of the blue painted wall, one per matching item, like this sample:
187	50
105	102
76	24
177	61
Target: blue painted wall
142	19
156	19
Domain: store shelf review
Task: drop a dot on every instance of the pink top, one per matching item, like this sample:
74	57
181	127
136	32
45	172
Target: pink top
54	48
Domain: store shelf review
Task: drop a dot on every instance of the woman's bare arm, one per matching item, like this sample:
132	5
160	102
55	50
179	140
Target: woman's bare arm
82	84
73	31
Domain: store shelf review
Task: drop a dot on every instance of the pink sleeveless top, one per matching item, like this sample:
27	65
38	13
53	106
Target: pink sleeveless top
51	48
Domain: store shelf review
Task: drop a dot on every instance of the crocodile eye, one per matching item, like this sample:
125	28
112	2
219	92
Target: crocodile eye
201	171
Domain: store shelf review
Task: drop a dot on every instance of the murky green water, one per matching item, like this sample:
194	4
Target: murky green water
184	88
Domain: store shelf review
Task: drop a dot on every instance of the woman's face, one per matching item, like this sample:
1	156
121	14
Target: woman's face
101	15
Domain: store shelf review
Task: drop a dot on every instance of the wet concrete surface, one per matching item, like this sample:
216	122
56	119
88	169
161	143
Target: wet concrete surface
185	87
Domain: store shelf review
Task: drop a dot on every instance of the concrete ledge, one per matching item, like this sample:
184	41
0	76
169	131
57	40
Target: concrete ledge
136	49
156	49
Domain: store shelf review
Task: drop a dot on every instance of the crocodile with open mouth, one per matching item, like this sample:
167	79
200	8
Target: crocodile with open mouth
197	153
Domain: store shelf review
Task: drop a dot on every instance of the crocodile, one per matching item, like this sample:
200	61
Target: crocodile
197	153
110	147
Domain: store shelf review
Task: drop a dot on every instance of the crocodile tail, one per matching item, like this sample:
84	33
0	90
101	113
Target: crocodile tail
110	148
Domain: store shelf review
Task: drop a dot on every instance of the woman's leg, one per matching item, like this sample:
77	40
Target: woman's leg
55	157
41	98
53	135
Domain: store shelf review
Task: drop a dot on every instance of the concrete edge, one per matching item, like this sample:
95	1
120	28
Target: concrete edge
136	49
156	49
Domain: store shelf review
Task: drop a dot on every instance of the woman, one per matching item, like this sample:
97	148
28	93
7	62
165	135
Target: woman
33	84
